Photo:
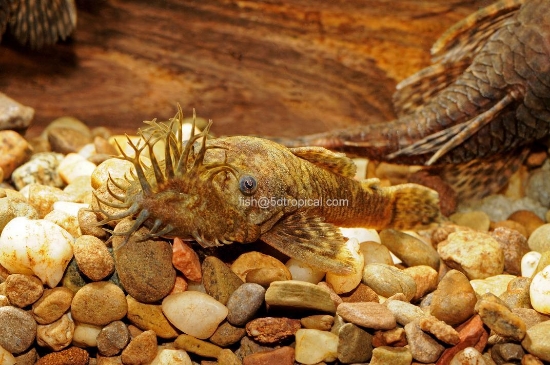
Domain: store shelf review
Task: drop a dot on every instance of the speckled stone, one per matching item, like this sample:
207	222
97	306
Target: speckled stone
391	355
93	257
361	293
476	220
113	338
142	349
409	249
271	330
144	267
468	356
248	347
99	303
422	346
70	356
244	303
27	358
52	305
514	246
218	279
476	254
454	299
23	290
149	317
367	314
40	169
226	334
18	329
88	224
354	344
388	280
43	197
293	294
537	341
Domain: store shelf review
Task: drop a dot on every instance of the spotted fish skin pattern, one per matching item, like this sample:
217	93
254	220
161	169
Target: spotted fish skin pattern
37	23
487	94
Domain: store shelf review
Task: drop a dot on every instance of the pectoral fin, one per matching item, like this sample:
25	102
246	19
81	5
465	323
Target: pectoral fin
328	160
312	241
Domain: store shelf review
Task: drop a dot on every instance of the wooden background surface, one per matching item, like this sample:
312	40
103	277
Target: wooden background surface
253	66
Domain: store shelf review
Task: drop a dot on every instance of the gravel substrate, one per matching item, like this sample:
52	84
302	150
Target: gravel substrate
473	290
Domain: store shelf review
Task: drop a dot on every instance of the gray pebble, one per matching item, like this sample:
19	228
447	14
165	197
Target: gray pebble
17	329
244	303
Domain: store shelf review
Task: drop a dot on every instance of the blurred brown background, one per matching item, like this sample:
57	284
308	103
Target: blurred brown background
254	67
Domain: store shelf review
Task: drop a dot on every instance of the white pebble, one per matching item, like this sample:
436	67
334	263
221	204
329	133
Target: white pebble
73	166
345	283
496	285
37	247
315	346
85	335
361	234
540	291
303	272
529	263
194	313
172	357
70	207
88	150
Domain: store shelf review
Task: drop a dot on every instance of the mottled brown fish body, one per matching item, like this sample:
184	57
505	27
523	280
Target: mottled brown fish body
241	189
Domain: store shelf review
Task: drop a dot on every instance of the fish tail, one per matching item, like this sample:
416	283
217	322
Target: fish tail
414	206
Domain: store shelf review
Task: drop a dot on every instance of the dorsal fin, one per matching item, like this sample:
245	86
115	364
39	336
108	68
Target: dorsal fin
464	38
328	160
418	89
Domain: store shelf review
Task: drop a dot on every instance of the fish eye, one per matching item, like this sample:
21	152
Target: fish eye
247	184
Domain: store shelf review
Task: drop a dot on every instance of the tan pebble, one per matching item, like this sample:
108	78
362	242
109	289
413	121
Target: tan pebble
298	295
439	329
102	145
374	252
539	239
528	219
476	220
395	337
441	233
142	349
43	197
500	319
196	346
510	225
73	166
101	131
265	276
52	305
514	246
186	260
426	279
70	356
80	190
99	303
66	221
88	224
115	168
424	348
149	317
368	314
388	280
536	340
23	290
14	150
93	257
542	262
529	359
218	279
404	312
344	283
256	260
322	322
476	254
180	285
409	249
454	299
496	285
56	335
336	299
391	355
66	139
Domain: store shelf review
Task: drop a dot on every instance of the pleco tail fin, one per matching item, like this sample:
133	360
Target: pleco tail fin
414	206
